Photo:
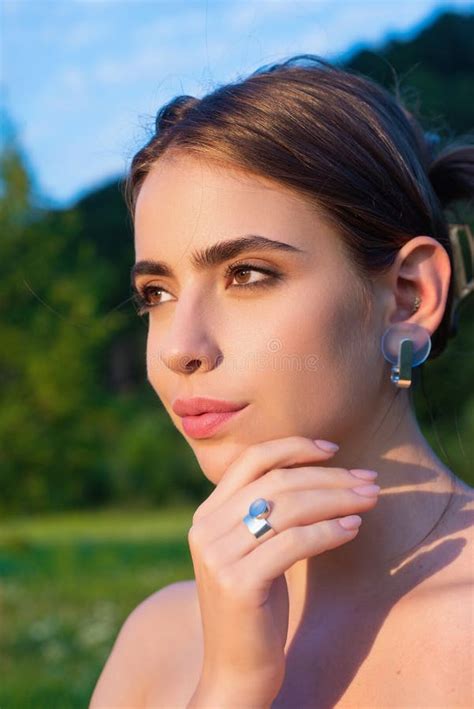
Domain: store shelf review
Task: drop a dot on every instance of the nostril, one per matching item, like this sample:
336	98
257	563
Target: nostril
192	365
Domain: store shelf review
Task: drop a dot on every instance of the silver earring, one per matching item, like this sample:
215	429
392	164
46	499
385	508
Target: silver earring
416	304
405	345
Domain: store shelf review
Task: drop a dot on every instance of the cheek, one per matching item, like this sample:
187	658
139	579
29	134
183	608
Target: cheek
151	359
155	367
317	378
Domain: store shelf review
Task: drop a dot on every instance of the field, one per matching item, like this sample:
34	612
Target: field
67	583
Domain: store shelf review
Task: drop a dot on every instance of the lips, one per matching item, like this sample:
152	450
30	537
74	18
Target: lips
202	417
202	405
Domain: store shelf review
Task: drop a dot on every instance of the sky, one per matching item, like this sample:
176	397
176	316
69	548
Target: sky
83	79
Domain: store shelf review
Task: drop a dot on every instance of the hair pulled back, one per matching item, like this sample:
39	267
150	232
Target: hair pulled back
338	138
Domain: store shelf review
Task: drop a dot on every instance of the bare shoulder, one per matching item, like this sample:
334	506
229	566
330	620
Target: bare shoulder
441	590
449	630
146	646
455	543
448	608
462	526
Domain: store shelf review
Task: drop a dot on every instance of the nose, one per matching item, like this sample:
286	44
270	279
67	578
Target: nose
189	344
187	359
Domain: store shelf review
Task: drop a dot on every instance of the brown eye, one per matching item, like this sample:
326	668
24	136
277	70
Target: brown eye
144	298
150	296
242	273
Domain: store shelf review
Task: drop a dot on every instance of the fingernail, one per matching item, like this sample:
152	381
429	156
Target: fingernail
367	490
364	474
326	446
350	522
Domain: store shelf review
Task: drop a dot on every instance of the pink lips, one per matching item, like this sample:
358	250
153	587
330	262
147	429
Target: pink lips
202	416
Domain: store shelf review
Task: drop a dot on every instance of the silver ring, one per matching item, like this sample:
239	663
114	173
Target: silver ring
256	519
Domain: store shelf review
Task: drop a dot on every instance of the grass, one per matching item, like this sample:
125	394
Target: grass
67	583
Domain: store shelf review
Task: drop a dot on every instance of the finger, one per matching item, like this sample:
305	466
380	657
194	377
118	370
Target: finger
294	509
308	477
269	486
259	458
272	558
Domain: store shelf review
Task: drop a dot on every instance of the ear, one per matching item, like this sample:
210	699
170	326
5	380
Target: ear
422	268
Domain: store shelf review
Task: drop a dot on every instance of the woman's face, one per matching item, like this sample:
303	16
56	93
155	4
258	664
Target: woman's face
296	347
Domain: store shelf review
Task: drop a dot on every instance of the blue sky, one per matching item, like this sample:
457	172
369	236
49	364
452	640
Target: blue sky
83	79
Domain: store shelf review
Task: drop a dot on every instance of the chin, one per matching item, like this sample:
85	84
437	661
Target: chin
215	456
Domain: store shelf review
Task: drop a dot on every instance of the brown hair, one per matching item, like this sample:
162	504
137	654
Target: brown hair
337	137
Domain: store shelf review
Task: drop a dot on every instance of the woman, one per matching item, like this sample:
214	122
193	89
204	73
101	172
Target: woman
294	259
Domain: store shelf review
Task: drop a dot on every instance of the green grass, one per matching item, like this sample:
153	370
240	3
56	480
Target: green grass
67	583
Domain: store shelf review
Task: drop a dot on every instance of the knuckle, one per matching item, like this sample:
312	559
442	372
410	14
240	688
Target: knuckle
291	537
259	452
198	514
226	581
344	473
210	560
237	588
278	478
294	441
363	500
191	537
326	531
299	440
323	534
194	535
254	454
256	448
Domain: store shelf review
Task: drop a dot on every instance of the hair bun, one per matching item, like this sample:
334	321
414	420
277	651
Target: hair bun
432	142
452	173
174	111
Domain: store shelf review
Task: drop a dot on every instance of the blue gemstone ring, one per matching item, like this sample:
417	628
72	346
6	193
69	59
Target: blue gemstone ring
259	508
256	519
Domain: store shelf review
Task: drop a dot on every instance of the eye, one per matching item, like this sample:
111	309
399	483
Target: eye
144	298
243	269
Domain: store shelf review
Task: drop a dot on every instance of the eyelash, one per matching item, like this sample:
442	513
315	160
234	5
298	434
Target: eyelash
143	304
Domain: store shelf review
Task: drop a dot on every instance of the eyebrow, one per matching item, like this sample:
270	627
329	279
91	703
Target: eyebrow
214	255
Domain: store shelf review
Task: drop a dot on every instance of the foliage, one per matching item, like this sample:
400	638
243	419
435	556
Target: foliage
56	637
80	425
433	72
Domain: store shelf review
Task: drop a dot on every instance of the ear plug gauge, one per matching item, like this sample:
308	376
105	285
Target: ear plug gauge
405	345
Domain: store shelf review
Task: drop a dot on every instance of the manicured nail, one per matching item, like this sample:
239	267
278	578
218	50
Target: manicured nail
350	522
364	474
326	446
367	490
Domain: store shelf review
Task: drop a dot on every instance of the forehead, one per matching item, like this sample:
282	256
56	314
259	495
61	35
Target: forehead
188	196
186	173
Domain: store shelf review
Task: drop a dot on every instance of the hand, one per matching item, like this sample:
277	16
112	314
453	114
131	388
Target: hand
240	580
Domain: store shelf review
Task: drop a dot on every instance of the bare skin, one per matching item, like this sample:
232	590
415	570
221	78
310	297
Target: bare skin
384	649
336	387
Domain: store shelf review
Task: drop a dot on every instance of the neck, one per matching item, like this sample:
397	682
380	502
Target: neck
415	489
